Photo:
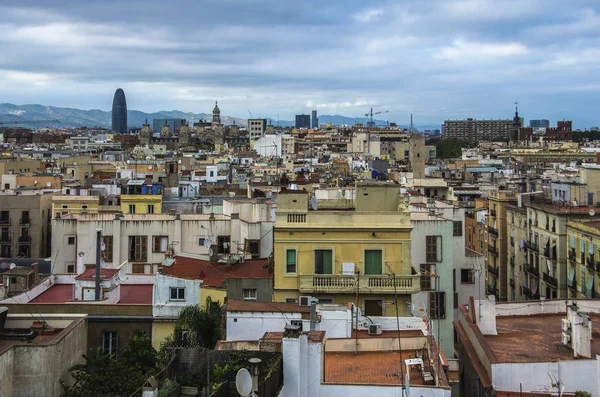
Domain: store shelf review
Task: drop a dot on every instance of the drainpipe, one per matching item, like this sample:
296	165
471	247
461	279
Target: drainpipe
98	253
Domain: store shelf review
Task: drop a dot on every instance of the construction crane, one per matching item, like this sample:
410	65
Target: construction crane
250	114
29	122
371	113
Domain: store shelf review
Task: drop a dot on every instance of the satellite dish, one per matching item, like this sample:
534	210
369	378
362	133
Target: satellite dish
183	168
35	182
592	212
243	382
208	243
48	184
102	246
313	203
210	252
74	162
150	167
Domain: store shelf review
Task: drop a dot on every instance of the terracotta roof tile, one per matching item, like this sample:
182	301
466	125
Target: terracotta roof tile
58	293
136	294
90	274
277	337
214	274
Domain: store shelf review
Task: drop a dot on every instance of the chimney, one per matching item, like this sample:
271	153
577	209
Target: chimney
313	315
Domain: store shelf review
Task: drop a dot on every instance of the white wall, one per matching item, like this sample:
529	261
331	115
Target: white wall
575	375
163	306
253	325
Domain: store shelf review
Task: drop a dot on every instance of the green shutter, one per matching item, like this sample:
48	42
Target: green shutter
327	262
291	257
373	262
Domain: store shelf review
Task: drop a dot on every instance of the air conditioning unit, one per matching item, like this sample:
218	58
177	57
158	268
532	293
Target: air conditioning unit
375	329
305	300
566	325
566	338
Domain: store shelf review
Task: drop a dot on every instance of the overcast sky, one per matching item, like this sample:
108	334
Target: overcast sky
438	59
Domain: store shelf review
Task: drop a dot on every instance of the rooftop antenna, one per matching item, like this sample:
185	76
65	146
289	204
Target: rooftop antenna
313	203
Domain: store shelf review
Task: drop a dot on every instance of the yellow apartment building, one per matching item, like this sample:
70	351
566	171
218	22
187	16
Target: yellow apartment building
345	250
583	268
141	203
67	204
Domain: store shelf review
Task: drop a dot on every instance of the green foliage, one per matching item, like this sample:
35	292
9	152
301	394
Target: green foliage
227	372
581	393
167	387
449	148
103	376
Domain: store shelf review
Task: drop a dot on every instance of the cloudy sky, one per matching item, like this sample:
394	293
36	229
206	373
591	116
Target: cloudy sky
438	59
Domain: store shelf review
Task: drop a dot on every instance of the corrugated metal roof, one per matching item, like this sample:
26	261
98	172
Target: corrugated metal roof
482	169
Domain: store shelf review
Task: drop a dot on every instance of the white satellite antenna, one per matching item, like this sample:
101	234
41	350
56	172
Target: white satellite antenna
313	203
243	382
207	242
592	212
102	246
183	168
48	184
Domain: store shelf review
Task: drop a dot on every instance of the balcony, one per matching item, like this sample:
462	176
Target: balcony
5	221
367	284
493	250
493	270
590	263
492	230
529	294
466	204
25	239
534	271
531	246
573	285
598	267
24	221
512	261
548	279
493	212
512	283
512	241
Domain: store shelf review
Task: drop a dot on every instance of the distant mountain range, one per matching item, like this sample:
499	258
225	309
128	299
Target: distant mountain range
35	116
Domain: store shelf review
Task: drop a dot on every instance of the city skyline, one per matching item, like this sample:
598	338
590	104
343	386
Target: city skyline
440	60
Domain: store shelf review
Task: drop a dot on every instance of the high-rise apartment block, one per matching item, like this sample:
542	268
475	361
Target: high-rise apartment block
473	130
256	128
315	119
543	123
302	121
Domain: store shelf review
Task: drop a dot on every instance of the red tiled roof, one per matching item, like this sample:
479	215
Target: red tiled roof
58	293
213	273
136	294
251	306
90	274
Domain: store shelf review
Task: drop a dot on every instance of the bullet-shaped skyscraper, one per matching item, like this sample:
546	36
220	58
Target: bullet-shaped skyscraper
119	112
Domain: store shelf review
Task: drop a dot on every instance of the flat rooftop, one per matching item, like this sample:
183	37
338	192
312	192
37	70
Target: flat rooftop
536	338
374	368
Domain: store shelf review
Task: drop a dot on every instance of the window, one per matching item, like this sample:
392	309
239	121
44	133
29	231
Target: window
107	254
132	208
70	268
223	244
140	333
323	262
373	307
425	276
84	207
253	247
437	305
291	300
110	342
24	217
24	251
433	248
177	294
290	261
373	262
249	294
65	206
151	208
467	276
4	217
138	248
71	240
160	243
138	268
201	241
457	228
5	251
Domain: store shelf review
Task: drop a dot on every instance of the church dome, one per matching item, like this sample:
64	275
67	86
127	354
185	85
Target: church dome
216	109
